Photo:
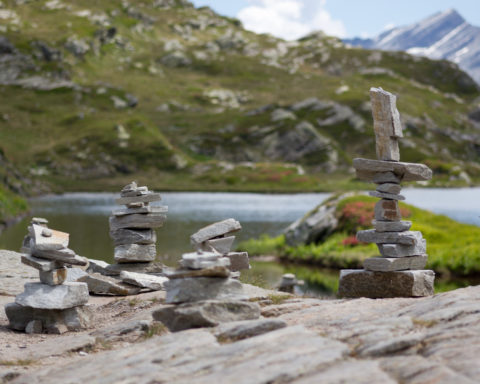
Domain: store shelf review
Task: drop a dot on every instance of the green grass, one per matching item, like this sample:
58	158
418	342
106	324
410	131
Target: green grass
11	205
453	247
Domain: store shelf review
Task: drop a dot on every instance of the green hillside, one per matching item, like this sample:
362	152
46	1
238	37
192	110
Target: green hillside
94	94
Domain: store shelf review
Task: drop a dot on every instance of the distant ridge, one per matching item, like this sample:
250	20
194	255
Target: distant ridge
444	35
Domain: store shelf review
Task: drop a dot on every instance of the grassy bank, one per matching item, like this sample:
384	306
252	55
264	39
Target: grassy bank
453	248
11	206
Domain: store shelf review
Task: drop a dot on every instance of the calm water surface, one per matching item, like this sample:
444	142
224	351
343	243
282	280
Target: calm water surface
85	217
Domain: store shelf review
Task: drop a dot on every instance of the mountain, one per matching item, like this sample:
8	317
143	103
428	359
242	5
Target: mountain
96	94
444	35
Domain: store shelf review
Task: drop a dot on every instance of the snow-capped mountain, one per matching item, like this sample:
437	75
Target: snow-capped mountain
445	35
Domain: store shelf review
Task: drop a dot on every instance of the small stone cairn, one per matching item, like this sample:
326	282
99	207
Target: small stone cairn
52	305
399	271
203	289
132	228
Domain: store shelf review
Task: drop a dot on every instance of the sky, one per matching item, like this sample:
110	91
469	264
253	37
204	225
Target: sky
291	19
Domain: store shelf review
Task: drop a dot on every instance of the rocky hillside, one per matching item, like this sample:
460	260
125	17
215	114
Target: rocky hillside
95	94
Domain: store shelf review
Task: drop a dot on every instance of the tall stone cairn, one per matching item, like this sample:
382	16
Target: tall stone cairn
51	305
398	272
132	228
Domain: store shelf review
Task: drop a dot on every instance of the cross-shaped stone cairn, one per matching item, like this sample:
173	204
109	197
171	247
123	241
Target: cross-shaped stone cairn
398	272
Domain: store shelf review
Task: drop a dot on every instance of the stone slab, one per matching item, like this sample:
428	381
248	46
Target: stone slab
146	209
389	196
219	271
387	210
149	198
142	280
222	245
66	256
55	277
389	188
151	267
42	296
205	314
47	239
40	264
238	261
392	226
203	260
386	124
399	250
129	253
203	288
384	177
215	230
133	236
97	266
53	321
106	285
74	274
367	168
149	220
239	330
361	283
385	264
406	238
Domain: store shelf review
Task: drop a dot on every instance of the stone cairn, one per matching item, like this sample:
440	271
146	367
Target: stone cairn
203	289
134	237
399	271
52	305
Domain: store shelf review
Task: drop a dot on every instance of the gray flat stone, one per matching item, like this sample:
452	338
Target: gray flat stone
406	238
384	264
55	277
387	210
42	296
384	177
215	230
133	236
106	285
40	264
399	250
152	268
239	330
222	245
48	239
142	280
74	274
238	261
366	169
129	253
149	198
203	288
71	319
360	283
383	195
203	260
219	271
66	256
97	266
205	314
389	188
149	220
392	226
146	209
386	124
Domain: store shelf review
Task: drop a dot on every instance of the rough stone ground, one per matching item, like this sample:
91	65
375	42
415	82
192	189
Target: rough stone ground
428	340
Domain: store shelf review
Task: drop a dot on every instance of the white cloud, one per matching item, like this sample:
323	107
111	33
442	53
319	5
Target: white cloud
290	19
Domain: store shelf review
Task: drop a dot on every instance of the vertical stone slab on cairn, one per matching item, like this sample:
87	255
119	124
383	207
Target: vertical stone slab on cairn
398	271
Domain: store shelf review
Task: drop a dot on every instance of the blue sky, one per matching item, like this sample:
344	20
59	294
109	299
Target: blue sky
345	18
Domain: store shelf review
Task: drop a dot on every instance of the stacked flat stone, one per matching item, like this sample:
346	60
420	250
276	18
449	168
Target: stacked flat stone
398	272
132	228
52	305
219	238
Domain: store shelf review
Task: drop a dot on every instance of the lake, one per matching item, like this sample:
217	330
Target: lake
85	217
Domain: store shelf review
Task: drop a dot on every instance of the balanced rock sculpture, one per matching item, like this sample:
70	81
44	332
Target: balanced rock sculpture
52	305
398	272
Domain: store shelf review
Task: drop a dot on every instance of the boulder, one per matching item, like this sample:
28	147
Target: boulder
105	285
205	314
